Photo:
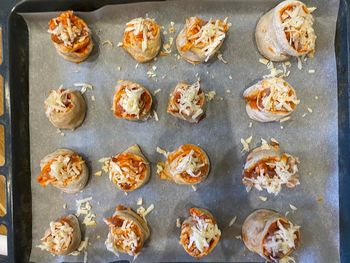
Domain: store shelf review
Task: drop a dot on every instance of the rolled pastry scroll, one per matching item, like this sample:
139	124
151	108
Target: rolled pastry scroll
71	37
199	40
127	232
63	236
286	31
130	169
65	108
142	39
199	233
270	235
267	168
188	164
187	102
64	169
270	99
131	101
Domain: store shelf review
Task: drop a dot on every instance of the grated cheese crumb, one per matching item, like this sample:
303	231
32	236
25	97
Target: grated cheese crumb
245	143
65	206
99	173
287	259
139	201
304	115
194	188
220	57
293	207
230	77
120	44
239	237
148	210
250	124
228	91
93	98
178	222
264	61
285	119
309	110
210	95
157	91
300	64
311	71
274	140
233	220
155	115
161	151
107	42
263	198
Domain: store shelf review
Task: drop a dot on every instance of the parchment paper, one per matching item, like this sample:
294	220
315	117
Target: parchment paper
314	138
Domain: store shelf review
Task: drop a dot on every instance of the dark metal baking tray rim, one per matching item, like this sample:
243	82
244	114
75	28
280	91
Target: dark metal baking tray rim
16	121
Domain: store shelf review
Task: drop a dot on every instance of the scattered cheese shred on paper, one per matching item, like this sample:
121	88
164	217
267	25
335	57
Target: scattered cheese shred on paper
233	220
293	207
263	198
245	143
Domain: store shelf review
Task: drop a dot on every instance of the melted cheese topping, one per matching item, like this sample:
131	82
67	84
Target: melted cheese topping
66	31
297	22
277	95
58	101
130	100
58	237
202	232
189	100
123	237
206	36
188	164
143	28
281	241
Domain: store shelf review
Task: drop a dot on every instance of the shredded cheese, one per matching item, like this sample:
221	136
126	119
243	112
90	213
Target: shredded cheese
84	208
123	237
281	172
245	143
142	27
210	95
66	31
202	232
298	26
282	240
57	238
210	35
130	100
188	164
188	102
58	101
280	97
178	222
233	220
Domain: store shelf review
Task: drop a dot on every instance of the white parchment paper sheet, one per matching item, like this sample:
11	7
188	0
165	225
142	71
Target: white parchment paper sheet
313	138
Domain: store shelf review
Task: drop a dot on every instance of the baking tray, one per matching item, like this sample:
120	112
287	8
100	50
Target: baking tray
16	122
